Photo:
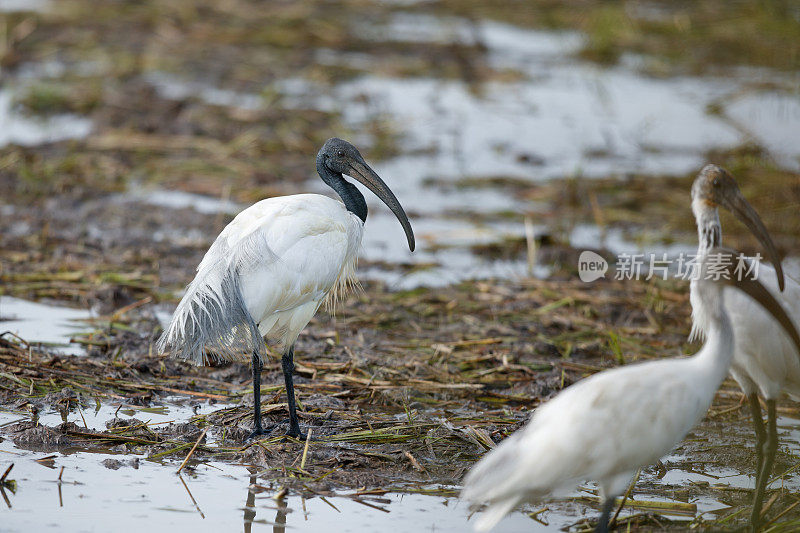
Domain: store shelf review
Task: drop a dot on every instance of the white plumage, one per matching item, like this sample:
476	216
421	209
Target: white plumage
765	362
607	426
285	255
598	429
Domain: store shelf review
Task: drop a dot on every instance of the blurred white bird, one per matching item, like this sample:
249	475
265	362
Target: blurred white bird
765	362
607	426
269	270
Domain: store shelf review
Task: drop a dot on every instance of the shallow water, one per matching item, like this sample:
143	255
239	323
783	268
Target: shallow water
25	130
91	497
38	322
93	494
564	118
561	117
774	120
174	88
24	5
179	200
97	488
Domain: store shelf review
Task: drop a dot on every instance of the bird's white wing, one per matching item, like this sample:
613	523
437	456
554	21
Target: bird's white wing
741	308
601	427
310	247
764	354
278	254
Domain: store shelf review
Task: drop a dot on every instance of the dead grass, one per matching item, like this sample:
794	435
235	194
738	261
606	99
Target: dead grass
427	370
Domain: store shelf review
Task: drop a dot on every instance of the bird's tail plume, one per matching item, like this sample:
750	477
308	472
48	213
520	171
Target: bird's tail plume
494	513
212	321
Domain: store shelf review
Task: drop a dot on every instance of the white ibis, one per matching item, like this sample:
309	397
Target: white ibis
271	268
607	426
765	361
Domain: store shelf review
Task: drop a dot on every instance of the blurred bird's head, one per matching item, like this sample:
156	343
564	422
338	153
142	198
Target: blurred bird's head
338	157
714	187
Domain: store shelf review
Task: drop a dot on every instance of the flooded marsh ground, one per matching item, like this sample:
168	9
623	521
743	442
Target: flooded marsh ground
402	392
515	135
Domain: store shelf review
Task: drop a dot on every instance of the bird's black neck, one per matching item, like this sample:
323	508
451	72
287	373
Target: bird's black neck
349	193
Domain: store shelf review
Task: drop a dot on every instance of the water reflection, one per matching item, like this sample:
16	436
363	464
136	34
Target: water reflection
250	505
5	482
5	496
280	518
192	497
279	525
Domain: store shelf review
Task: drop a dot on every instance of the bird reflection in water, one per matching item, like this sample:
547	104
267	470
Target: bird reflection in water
279	526
280	517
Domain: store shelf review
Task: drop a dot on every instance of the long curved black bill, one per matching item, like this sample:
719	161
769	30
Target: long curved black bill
361	171
753	288
742	210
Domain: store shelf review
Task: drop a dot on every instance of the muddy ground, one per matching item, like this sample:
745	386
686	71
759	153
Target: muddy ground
401	390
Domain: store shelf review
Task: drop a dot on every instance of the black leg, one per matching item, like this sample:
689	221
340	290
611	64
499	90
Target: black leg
761	436
287	362
258	429
605	516
769	449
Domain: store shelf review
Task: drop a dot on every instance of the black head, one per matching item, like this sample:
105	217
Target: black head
337	157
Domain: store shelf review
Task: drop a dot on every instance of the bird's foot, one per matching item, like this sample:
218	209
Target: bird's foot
257	433
295	433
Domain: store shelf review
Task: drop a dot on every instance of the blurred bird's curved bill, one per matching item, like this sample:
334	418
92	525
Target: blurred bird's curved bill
363	173
743	211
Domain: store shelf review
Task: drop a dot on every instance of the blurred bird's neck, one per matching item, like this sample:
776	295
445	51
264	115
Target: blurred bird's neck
349	193
717	352
709	230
